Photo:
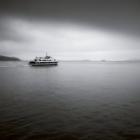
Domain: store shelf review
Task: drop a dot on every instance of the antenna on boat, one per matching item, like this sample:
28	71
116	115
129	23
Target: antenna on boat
46	55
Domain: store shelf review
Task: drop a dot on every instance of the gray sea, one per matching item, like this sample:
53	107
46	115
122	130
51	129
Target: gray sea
71	101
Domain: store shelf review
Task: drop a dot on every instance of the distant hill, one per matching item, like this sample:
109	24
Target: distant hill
7	58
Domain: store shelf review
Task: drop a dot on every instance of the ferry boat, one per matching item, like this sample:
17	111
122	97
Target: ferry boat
43	61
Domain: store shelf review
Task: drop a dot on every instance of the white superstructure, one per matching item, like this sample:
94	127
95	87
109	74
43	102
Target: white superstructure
43	61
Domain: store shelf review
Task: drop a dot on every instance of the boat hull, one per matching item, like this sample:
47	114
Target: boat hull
42	63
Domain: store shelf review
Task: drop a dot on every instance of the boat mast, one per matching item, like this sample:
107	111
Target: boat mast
46	55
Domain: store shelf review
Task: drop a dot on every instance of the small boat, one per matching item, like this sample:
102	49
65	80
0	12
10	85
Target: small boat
43	61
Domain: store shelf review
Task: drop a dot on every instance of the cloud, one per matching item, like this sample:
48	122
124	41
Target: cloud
10	33
117	15
66	40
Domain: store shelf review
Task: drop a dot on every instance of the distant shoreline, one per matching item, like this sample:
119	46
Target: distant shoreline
105	61
7	58
11	58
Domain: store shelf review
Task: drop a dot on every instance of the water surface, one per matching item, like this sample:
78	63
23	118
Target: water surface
71	101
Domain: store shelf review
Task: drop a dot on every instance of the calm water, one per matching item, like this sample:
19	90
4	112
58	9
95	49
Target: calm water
71	101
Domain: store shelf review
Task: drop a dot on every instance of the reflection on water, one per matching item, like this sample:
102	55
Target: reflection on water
71	101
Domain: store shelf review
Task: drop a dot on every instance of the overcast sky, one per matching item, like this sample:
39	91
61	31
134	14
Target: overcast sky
70	29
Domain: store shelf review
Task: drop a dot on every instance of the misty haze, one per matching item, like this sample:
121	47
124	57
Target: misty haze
69	69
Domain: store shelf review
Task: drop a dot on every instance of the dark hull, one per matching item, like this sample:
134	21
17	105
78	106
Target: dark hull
32	63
